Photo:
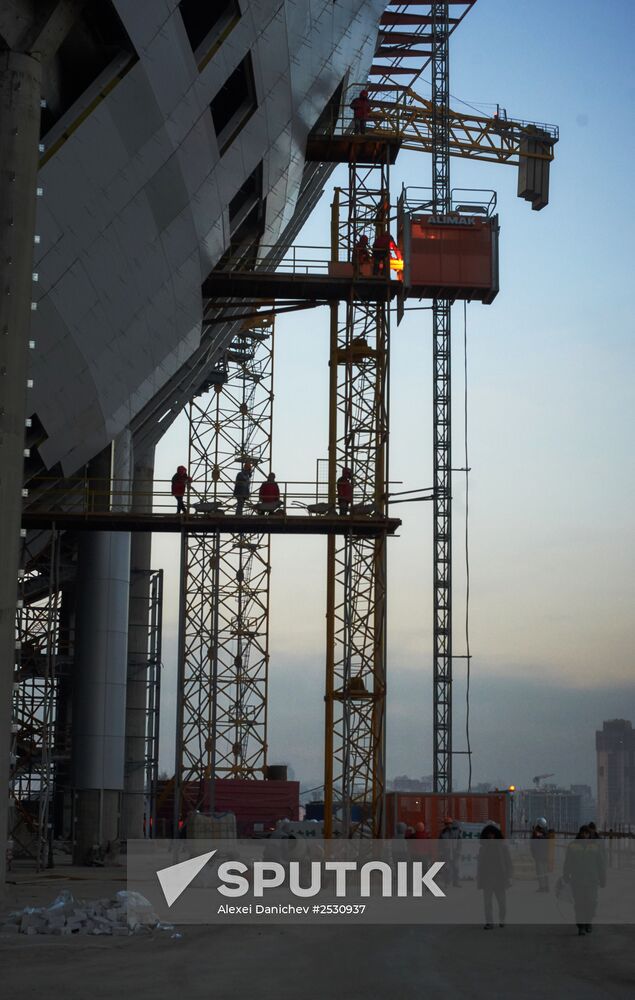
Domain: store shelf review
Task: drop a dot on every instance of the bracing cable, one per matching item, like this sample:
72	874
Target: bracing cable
467	555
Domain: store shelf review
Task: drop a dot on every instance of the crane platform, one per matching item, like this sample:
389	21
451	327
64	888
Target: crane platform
320	287
365	150
366	526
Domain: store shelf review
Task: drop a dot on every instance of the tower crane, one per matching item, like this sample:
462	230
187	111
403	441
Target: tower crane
355	689
540	777
399	118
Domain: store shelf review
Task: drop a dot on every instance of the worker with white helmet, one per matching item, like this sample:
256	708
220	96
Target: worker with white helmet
540	852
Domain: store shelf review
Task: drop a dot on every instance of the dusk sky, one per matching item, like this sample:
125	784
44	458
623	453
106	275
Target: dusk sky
551	418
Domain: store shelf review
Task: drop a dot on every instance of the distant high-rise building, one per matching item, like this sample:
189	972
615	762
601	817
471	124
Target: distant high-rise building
587	802
615	745
561	808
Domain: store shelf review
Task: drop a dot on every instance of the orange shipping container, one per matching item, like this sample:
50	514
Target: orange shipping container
431	808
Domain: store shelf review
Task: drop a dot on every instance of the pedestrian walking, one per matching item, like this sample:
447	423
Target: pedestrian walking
493	874
585	871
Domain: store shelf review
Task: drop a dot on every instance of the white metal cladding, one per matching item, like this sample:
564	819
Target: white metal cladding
135	207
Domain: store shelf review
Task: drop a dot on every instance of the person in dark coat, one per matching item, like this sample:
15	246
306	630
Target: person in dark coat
345	491
242	487
180	482
493	874
585	871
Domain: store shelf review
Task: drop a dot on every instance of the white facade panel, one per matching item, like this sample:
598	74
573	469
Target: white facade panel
135	209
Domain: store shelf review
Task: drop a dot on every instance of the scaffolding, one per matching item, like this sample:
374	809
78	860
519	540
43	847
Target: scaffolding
39	741
356	569
145	667
224	613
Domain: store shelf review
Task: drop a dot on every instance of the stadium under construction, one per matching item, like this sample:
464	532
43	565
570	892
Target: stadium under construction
158	164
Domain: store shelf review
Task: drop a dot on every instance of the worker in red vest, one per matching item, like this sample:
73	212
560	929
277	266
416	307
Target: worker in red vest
345	491
361	111
269	492
383	247
180	482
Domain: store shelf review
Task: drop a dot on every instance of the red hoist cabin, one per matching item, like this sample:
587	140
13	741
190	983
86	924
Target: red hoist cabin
450	256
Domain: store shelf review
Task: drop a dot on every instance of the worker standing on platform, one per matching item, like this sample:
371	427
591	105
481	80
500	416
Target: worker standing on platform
361	252
269	494
242	487
382	247
345	491
180	482
361	111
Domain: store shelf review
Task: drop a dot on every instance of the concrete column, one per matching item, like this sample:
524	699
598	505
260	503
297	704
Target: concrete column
136	688
20	94
99	675
99	689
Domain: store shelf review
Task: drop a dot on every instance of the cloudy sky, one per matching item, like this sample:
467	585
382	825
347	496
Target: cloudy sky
550	436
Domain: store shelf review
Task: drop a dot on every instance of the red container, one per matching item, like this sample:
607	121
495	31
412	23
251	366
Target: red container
431	808
252	802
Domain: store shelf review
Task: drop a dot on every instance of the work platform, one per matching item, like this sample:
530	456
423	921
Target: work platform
322	287
226	524
363	150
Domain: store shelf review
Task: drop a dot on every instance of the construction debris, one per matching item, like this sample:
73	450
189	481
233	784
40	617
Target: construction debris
128	913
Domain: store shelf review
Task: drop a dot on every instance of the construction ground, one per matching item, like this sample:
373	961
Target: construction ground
227	962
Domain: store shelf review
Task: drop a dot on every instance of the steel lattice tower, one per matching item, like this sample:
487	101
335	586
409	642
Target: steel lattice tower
36	744
224	614
442	403
356	574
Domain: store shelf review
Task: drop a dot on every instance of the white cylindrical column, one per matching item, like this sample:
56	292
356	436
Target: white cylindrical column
99	688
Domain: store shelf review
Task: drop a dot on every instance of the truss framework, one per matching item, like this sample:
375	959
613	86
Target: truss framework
356	572
38	743
442	417
476	137
224	615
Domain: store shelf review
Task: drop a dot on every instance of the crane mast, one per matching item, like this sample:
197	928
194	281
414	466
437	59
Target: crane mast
442	426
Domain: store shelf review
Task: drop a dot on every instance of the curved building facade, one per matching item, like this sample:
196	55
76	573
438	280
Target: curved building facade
187	145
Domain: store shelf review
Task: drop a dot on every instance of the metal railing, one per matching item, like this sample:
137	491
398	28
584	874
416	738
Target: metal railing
463	201
300	260
80	496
